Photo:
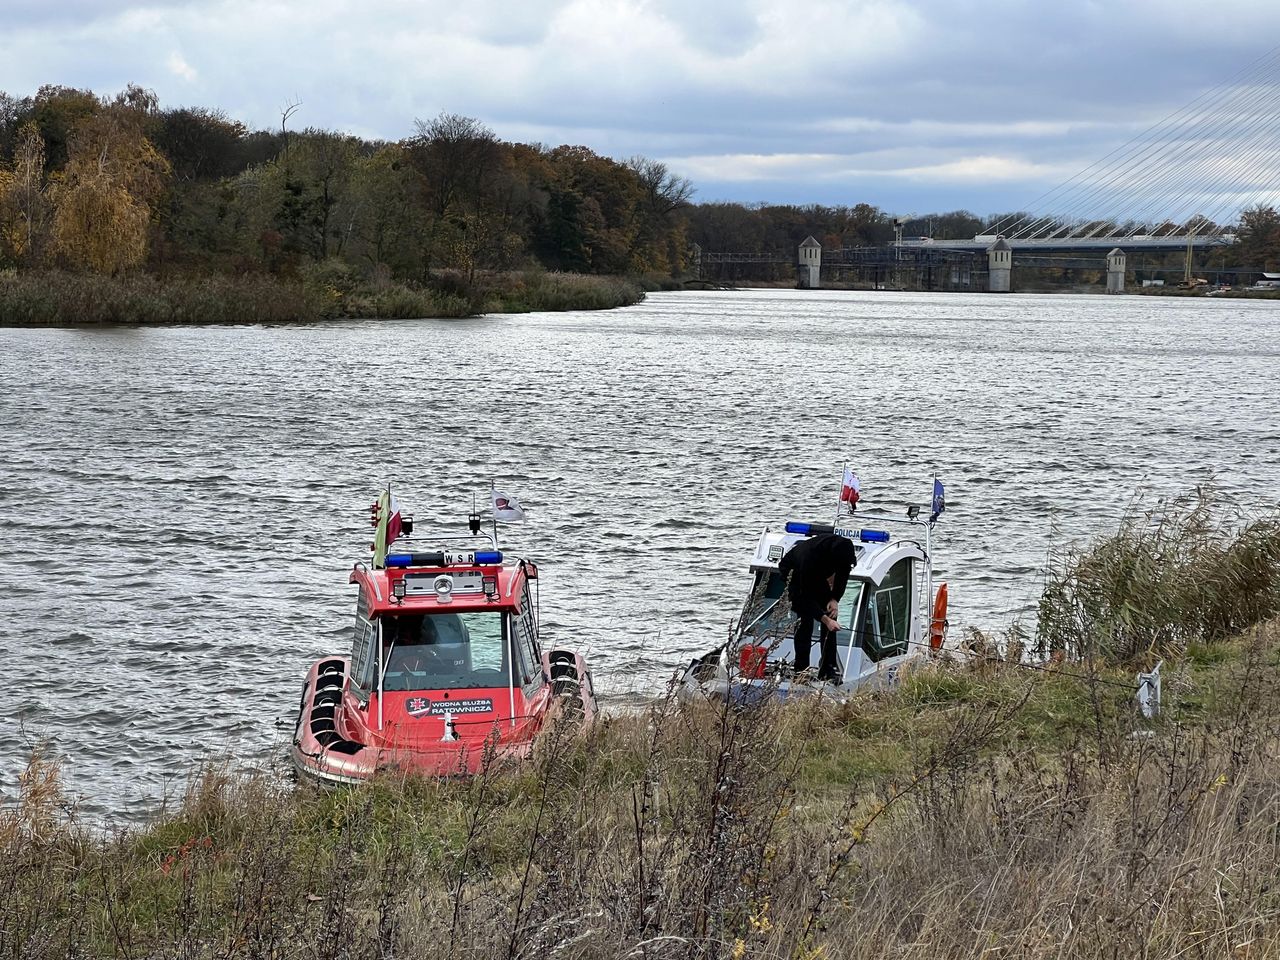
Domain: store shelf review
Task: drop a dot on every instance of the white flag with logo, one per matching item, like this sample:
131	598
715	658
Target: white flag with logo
506	507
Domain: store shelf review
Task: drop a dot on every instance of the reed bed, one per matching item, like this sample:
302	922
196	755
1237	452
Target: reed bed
1185	571
58	298
534	291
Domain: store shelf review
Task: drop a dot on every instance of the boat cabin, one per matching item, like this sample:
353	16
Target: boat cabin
445	647
885	608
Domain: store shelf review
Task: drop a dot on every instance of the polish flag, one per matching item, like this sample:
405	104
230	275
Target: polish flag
850	489
395	525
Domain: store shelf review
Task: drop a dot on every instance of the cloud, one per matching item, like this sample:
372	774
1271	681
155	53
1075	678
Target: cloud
986	169
180	68
889	101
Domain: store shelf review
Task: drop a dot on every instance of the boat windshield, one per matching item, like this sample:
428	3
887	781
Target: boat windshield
436	651
766	614
767	619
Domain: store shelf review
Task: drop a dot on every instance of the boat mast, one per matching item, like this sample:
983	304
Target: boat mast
926	613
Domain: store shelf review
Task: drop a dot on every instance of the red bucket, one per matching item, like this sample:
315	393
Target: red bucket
751	661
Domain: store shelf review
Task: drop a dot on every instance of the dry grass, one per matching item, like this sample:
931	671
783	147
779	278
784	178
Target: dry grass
1184	572
59	298
989	811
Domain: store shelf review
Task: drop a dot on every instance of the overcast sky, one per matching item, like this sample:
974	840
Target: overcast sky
913	105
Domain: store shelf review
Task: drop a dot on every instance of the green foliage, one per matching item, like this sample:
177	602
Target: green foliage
1258	239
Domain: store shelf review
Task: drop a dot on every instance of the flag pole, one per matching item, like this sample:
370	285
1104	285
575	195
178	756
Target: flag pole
493	513
844	468
928	549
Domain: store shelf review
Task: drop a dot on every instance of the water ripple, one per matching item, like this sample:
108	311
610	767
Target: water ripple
181	506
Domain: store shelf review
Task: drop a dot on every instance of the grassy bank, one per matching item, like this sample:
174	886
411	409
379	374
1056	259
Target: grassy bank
983	810
55	298
984	807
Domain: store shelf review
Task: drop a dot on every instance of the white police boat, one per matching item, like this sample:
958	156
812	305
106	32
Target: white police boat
890	610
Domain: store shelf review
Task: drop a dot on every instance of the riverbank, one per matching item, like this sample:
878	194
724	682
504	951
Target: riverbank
982	807
985	805
55	298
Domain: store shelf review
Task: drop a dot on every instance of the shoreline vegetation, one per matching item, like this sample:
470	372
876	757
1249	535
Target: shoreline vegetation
179	206
56	298
984	806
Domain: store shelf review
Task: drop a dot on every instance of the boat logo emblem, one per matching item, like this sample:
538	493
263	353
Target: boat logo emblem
423	707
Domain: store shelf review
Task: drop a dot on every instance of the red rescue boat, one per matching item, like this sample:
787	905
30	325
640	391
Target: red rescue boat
446	656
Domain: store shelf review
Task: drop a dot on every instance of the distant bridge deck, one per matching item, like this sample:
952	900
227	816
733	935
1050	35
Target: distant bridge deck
939	250
1138	243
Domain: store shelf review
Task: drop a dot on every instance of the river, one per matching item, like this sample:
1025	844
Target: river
180	506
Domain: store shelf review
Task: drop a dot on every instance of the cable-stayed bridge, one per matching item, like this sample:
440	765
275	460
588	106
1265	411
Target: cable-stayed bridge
1184	180
1181	185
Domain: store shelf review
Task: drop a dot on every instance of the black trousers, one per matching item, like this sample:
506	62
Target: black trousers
828	666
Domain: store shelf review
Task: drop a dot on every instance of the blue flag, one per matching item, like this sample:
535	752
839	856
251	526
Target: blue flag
939	500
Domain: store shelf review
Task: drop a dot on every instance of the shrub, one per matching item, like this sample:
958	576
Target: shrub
1184	572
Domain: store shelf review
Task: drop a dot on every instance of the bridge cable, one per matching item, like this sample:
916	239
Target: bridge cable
1157	153
1207	101
1161	144
1195	180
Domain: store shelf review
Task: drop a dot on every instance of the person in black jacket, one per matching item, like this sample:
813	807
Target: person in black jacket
818	570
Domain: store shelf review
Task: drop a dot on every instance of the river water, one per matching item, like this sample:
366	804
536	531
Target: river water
179	507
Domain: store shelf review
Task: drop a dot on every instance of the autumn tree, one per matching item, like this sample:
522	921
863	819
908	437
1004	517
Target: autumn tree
105	197
662	193
456	155
56	112
201	144
1258	238
379	216
23	205
317	167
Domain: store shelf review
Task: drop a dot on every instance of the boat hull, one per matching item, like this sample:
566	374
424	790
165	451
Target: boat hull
325	749
710	678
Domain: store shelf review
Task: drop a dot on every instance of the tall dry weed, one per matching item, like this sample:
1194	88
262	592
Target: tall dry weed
1185	571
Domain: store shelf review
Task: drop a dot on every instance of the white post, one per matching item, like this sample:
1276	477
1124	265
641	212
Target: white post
927	637
1148	695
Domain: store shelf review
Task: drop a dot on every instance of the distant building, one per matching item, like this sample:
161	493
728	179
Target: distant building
810	265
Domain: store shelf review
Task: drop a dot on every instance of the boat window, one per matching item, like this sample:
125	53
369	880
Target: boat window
364	646
766	614
436	651
525	639
887	622
848	613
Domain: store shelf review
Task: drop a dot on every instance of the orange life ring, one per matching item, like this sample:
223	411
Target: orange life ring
938	626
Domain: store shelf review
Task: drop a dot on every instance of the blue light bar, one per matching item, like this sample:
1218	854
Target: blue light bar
808	529
444	559
873	536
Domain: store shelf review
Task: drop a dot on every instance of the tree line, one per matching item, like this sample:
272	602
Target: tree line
113	184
